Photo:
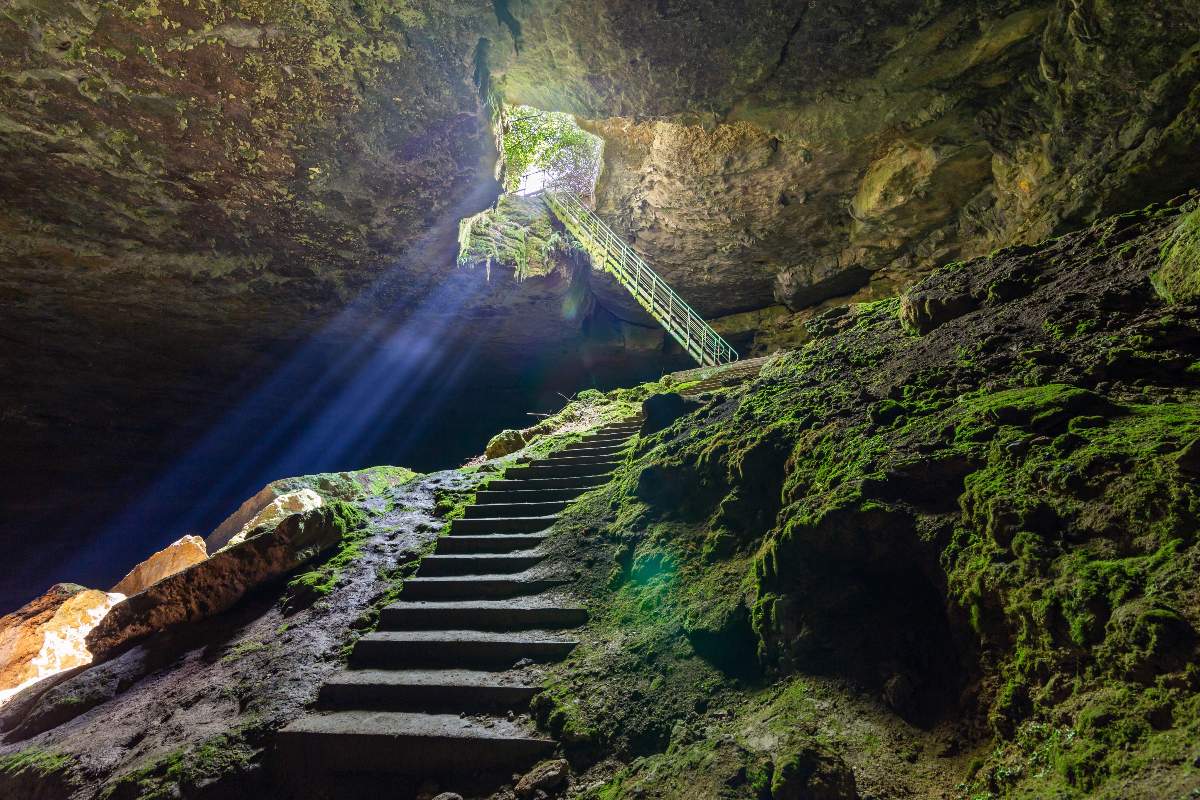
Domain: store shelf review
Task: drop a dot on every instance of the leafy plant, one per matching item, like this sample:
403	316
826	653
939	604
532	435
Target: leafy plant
533	140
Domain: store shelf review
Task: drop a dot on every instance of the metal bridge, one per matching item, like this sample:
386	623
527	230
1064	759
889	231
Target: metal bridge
610	253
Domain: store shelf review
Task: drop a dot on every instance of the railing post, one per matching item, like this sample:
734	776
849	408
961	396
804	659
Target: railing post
696	336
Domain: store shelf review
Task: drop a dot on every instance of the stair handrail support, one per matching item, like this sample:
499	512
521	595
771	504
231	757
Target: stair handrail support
614	255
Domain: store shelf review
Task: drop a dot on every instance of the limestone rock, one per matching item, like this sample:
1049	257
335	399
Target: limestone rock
291	503
504	443
21	632
661	410
216	584
546	777
178	555
46	635
921	312
813	773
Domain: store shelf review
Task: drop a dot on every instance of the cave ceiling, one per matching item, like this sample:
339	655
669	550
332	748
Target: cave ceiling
191	188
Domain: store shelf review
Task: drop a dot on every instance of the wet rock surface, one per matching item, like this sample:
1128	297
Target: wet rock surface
195	705
174	557
979	547
216	584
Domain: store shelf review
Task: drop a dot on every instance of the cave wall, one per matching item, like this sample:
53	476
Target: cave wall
766	153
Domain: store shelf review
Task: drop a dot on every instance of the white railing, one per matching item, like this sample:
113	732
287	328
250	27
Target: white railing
609	252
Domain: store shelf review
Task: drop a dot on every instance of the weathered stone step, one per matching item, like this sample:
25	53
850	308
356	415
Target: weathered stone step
490	496
542	470
477	564
588	445
605	439
534	509
430	691
525	613
584	482
408	743
457	648
475	587
489	543
603	458
500	524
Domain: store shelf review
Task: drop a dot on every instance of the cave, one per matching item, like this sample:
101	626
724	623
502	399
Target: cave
461	400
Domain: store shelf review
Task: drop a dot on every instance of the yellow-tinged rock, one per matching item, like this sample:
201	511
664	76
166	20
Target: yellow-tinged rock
171	559
46	636
282	506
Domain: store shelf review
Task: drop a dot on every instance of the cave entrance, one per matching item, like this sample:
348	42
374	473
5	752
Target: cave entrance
547	150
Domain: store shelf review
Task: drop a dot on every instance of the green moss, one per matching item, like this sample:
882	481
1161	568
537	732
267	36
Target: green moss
36	760
319	582
188	768
1178	277
243	649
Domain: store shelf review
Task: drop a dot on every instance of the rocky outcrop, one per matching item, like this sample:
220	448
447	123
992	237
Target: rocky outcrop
504	443
46	635
216	584
21	632
178	555
811	152
977	506
282	506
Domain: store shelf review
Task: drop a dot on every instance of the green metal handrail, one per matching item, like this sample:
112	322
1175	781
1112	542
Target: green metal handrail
611	253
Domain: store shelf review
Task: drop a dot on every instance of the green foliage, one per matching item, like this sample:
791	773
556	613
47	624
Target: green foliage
532	139
516	233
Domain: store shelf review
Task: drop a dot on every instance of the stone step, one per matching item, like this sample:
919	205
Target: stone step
457	648
500	524
605	439
584	483
490	496
479	587
540	470
489	543
408	743
598	446
430	691
523	613
603	458
530	509
477	564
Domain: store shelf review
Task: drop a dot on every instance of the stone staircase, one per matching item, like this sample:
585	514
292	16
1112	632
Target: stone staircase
438	689
717	377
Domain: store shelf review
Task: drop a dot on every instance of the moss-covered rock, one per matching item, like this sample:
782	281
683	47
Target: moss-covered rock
989	530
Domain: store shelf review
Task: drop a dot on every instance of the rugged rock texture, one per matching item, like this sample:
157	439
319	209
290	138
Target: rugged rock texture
788	152
211	586
23	633
178	555
283	506
928	554
190	191
189	711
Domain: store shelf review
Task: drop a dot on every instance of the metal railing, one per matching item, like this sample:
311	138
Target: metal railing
609	252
